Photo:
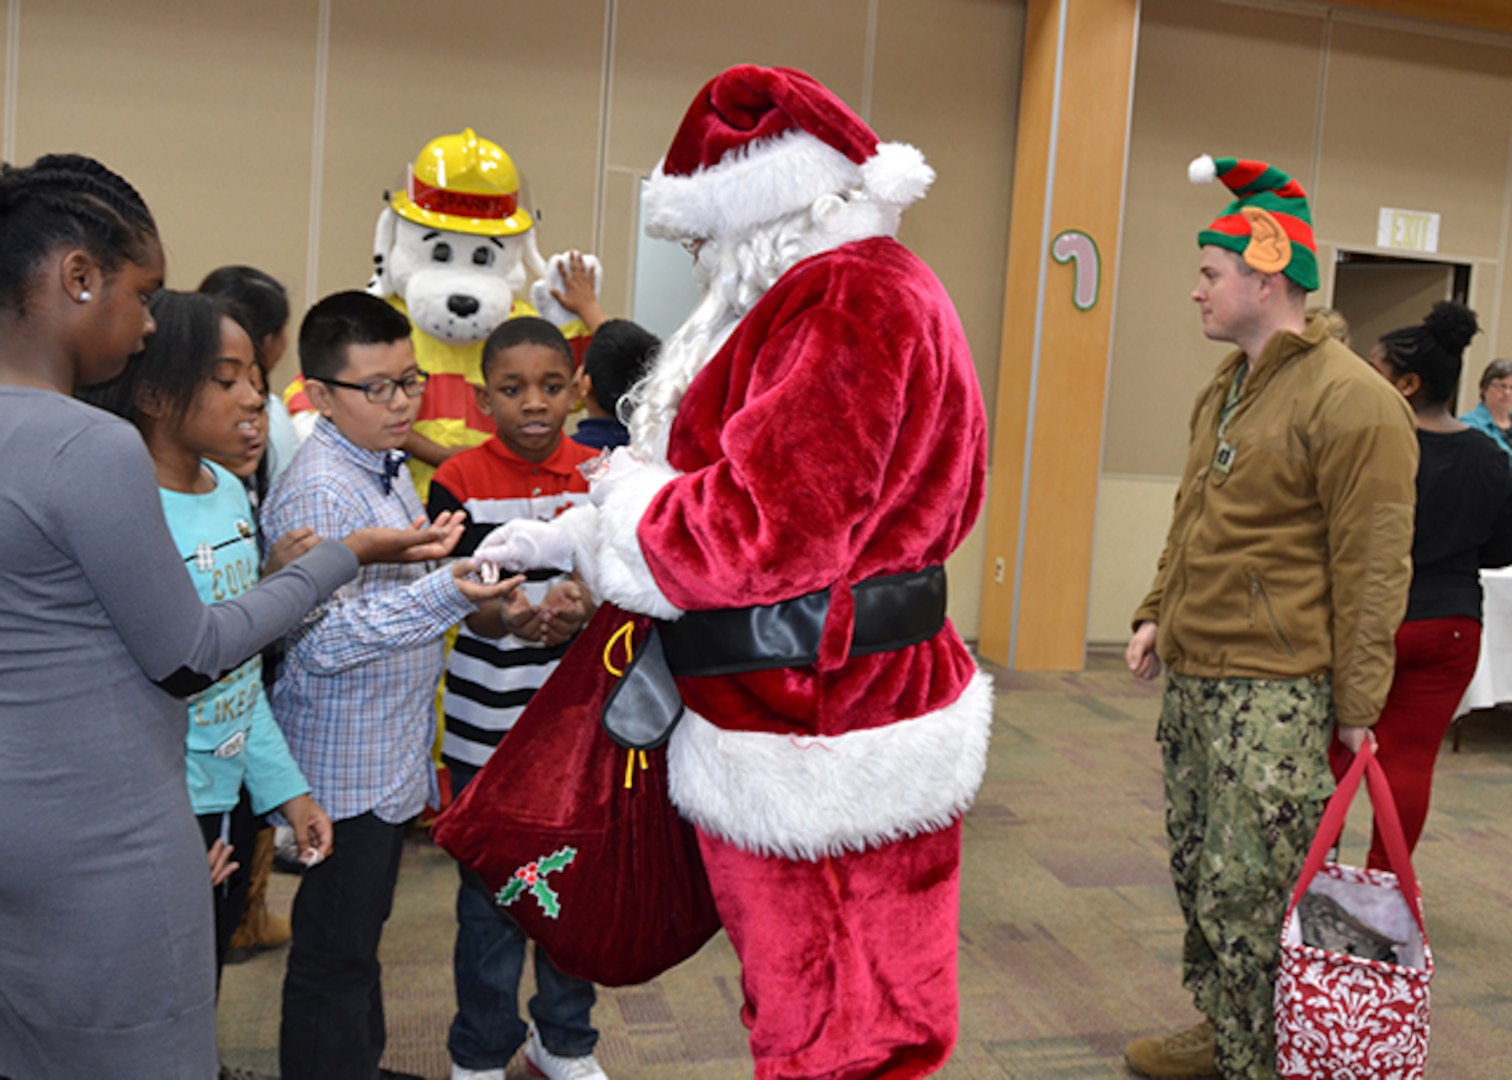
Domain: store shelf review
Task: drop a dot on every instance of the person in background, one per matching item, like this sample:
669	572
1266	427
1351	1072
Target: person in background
1283	579
1334	321
264	308
1463	523
618	357
1493	416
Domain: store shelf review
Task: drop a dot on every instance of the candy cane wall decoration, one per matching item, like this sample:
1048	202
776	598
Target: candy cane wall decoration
1073	244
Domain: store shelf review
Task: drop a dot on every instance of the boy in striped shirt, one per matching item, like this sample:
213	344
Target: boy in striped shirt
502	656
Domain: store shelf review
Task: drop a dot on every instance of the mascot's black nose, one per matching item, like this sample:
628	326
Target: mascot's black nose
462	306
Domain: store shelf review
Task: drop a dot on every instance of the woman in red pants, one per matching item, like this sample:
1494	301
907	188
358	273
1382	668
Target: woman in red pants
1464	522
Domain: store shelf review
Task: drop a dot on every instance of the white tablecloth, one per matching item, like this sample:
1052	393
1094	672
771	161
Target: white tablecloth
1492	683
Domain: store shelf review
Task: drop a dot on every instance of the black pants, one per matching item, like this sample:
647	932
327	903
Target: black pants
239	826
333	1026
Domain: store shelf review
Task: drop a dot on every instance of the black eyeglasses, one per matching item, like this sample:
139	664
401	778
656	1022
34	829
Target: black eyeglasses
382	391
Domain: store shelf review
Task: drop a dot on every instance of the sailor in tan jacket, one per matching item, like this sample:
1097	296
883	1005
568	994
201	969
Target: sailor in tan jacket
1283	579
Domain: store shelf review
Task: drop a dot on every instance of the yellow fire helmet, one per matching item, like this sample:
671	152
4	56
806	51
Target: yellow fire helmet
461	183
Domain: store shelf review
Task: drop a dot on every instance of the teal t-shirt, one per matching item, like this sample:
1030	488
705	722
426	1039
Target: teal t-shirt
232	738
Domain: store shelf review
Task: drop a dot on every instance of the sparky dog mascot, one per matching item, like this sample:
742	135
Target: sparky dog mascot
808	449
456	252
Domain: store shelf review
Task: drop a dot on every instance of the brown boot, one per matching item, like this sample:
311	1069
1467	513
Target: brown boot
259	928
1186	1054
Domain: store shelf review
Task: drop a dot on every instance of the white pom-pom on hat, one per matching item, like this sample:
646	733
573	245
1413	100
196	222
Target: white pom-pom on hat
896	174
1202	170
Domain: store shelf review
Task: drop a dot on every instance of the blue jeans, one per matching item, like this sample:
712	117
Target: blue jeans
487	963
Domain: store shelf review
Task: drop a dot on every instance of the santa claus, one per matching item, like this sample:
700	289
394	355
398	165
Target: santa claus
808	450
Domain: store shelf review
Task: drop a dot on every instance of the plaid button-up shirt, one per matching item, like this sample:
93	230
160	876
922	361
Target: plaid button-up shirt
356	699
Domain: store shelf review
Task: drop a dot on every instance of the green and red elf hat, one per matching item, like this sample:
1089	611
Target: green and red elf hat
1268	223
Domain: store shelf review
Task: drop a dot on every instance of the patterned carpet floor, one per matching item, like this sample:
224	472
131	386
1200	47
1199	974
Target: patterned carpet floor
1070	934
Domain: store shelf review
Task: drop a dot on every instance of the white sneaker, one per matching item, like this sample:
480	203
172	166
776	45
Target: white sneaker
541	1062
460	1073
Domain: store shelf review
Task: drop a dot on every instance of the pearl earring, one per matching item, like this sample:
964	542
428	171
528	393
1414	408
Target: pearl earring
85	297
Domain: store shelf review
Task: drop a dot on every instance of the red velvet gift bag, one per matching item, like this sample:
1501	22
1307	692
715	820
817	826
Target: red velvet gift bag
1346	1016
575	836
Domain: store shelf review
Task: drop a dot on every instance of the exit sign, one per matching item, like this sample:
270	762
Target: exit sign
1407	230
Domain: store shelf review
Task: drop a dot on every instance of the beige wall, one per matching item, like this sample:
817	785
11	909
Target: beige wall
266	131
1381	297
1366	111
260	133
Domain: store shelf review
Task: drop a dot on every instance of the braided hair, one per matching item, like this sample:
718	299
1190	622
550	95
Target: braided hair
1434	349
66	199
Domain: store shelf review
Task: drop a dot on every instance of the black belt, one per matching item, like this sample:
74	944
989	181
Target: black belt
892	612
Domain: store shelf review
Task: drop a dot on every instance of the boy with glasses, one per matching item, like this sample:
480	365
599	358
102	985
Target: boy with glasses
359	677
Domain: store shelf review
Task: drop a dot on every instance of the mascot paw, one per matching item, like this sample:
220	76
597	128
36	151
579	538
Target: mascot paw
527	545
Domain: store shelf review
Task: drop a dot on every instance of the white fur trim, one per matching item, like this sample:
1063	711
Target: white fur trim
582	524
1202	170
623	575
804	798
763	182
897	174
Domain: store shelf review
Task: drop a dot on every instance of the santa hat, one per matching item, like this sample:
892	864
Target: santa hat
1268	222
759	143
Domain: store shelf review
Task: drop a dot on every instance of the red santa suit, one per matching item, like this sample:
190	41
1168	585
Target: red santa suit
836	437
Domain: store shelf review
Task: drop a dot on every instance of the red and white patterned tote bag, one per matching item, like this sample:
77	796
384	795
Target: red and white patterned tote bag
1353	1003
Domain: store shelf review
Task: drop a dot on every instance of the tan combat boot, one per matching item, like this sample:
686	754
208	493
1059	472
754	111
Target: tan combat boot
1186	1054
259	928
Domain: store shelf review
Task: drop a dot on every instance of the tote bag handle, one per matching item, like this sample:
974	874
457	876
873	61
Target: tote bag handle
1387	823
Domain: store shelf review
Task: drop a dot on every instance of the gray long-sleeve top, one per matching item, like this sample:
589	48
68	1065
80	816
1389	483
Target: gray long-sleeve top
106	950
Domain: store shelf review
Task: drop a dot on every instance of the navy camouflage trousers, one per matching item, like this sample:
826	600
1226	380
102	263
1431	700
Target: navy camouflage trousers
1246	773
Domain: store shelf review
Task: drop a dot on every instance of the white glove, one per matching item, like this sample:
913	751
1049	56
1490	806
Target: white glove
527	545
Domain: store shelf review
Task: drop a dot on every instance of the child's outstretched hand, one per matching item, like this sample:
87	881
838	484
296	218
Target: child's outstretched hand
565	610
313	834
579	291
421	541
288	547
479	589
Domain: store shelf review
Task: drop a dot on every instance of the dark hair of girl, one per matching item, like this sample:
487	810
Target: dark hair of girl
1434	350
66	199
176	361
261	296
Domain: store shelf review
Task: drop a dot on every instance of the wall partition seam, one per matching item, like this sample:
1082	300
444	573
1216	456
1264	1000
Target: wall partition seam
1320	111
12	78
317	150
1112	273
1493	324
606	105
869	61
1039	326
